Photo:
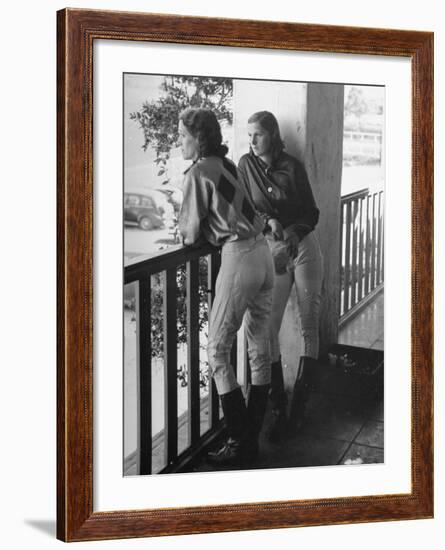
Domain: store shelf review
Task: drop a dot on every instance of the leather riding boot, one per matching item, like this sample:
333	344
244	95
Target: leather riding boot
278	428
232	451
300	394
256	409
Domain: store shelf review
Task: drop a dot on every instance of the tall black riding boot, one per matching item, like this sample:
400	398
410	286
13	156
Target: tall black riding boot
232	452
278	427
300	394
256	408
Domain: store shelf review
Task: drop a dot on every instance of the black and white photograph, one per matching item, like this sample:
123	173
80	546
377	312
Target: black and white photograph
253	229
220	220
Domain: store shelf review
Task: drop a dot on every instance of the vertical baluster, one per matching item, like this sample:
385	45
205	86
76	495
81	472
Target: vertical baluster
192	297
383	242
347	258
379	241
367	247
342	256
246	374
360	252
170	366
373	243
234	355
143	335
354	253
213	268
241	357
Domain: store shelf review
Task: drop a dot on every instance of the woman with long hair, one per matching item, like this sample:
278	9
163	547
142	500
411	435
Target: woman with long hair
282	195
217	208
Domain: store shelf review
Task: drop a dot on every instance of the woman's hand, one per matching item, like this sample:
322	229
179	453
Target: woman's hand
276	229
292	245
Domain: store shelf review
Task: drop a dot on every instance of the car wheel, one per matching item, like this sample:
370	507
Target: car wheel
146	224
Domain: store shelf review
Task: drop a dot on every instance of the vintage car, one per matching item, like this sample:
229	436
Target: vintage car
142	210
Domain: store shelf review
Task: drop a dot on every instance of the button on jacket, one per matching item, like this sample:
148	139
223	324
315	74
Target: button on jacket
281	191
216	205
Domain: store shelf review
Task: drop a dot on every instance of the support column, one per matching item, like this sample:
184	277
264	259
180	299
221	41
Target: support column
324	160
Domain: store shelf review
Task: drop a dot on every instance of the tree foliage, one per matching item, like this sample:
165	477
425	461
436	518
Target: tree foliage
157	315
158	119
356	103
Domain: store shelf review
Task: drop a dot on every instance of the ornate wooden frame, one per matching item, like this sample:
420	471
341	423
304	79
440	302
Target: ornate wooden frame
77	30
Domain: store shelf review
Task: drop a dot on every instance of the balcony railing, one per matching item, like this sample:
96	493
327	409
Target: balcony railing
361	250
166	266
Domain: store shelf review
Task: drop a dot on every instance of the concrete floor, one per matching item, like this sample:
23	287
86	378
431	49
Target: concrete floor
366	329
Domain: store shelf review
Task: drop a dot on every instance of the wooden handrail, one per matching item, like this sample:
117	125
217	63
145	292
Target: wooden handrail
145	265
355	195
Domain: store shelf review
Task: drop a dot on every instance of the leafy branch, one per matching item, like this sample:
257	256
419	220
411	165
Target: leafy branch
158	119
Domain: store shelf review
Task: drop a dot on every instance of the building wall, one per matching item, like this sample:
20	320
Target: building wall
311	123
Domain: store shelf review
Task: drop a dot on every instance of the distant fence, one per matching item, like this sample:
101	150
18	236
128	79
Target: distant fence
362	144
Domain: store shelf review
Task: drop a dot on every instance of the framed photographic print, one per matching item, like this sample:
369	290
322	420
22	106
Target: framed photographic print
245	228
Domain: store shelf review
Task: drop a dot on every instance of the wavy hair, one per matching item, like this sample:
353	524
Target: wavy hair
204	126
269	123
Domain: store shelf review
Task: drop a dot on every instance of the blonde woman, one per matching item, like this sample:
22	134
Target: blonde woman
281	193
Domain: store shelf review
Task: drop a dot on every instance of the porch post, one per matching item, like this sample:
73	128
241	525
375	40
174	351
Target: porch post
323	158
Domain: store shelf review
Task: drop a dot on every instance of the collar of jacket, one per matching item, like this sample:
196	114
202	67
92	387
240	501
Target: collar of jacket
264	166
191	165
